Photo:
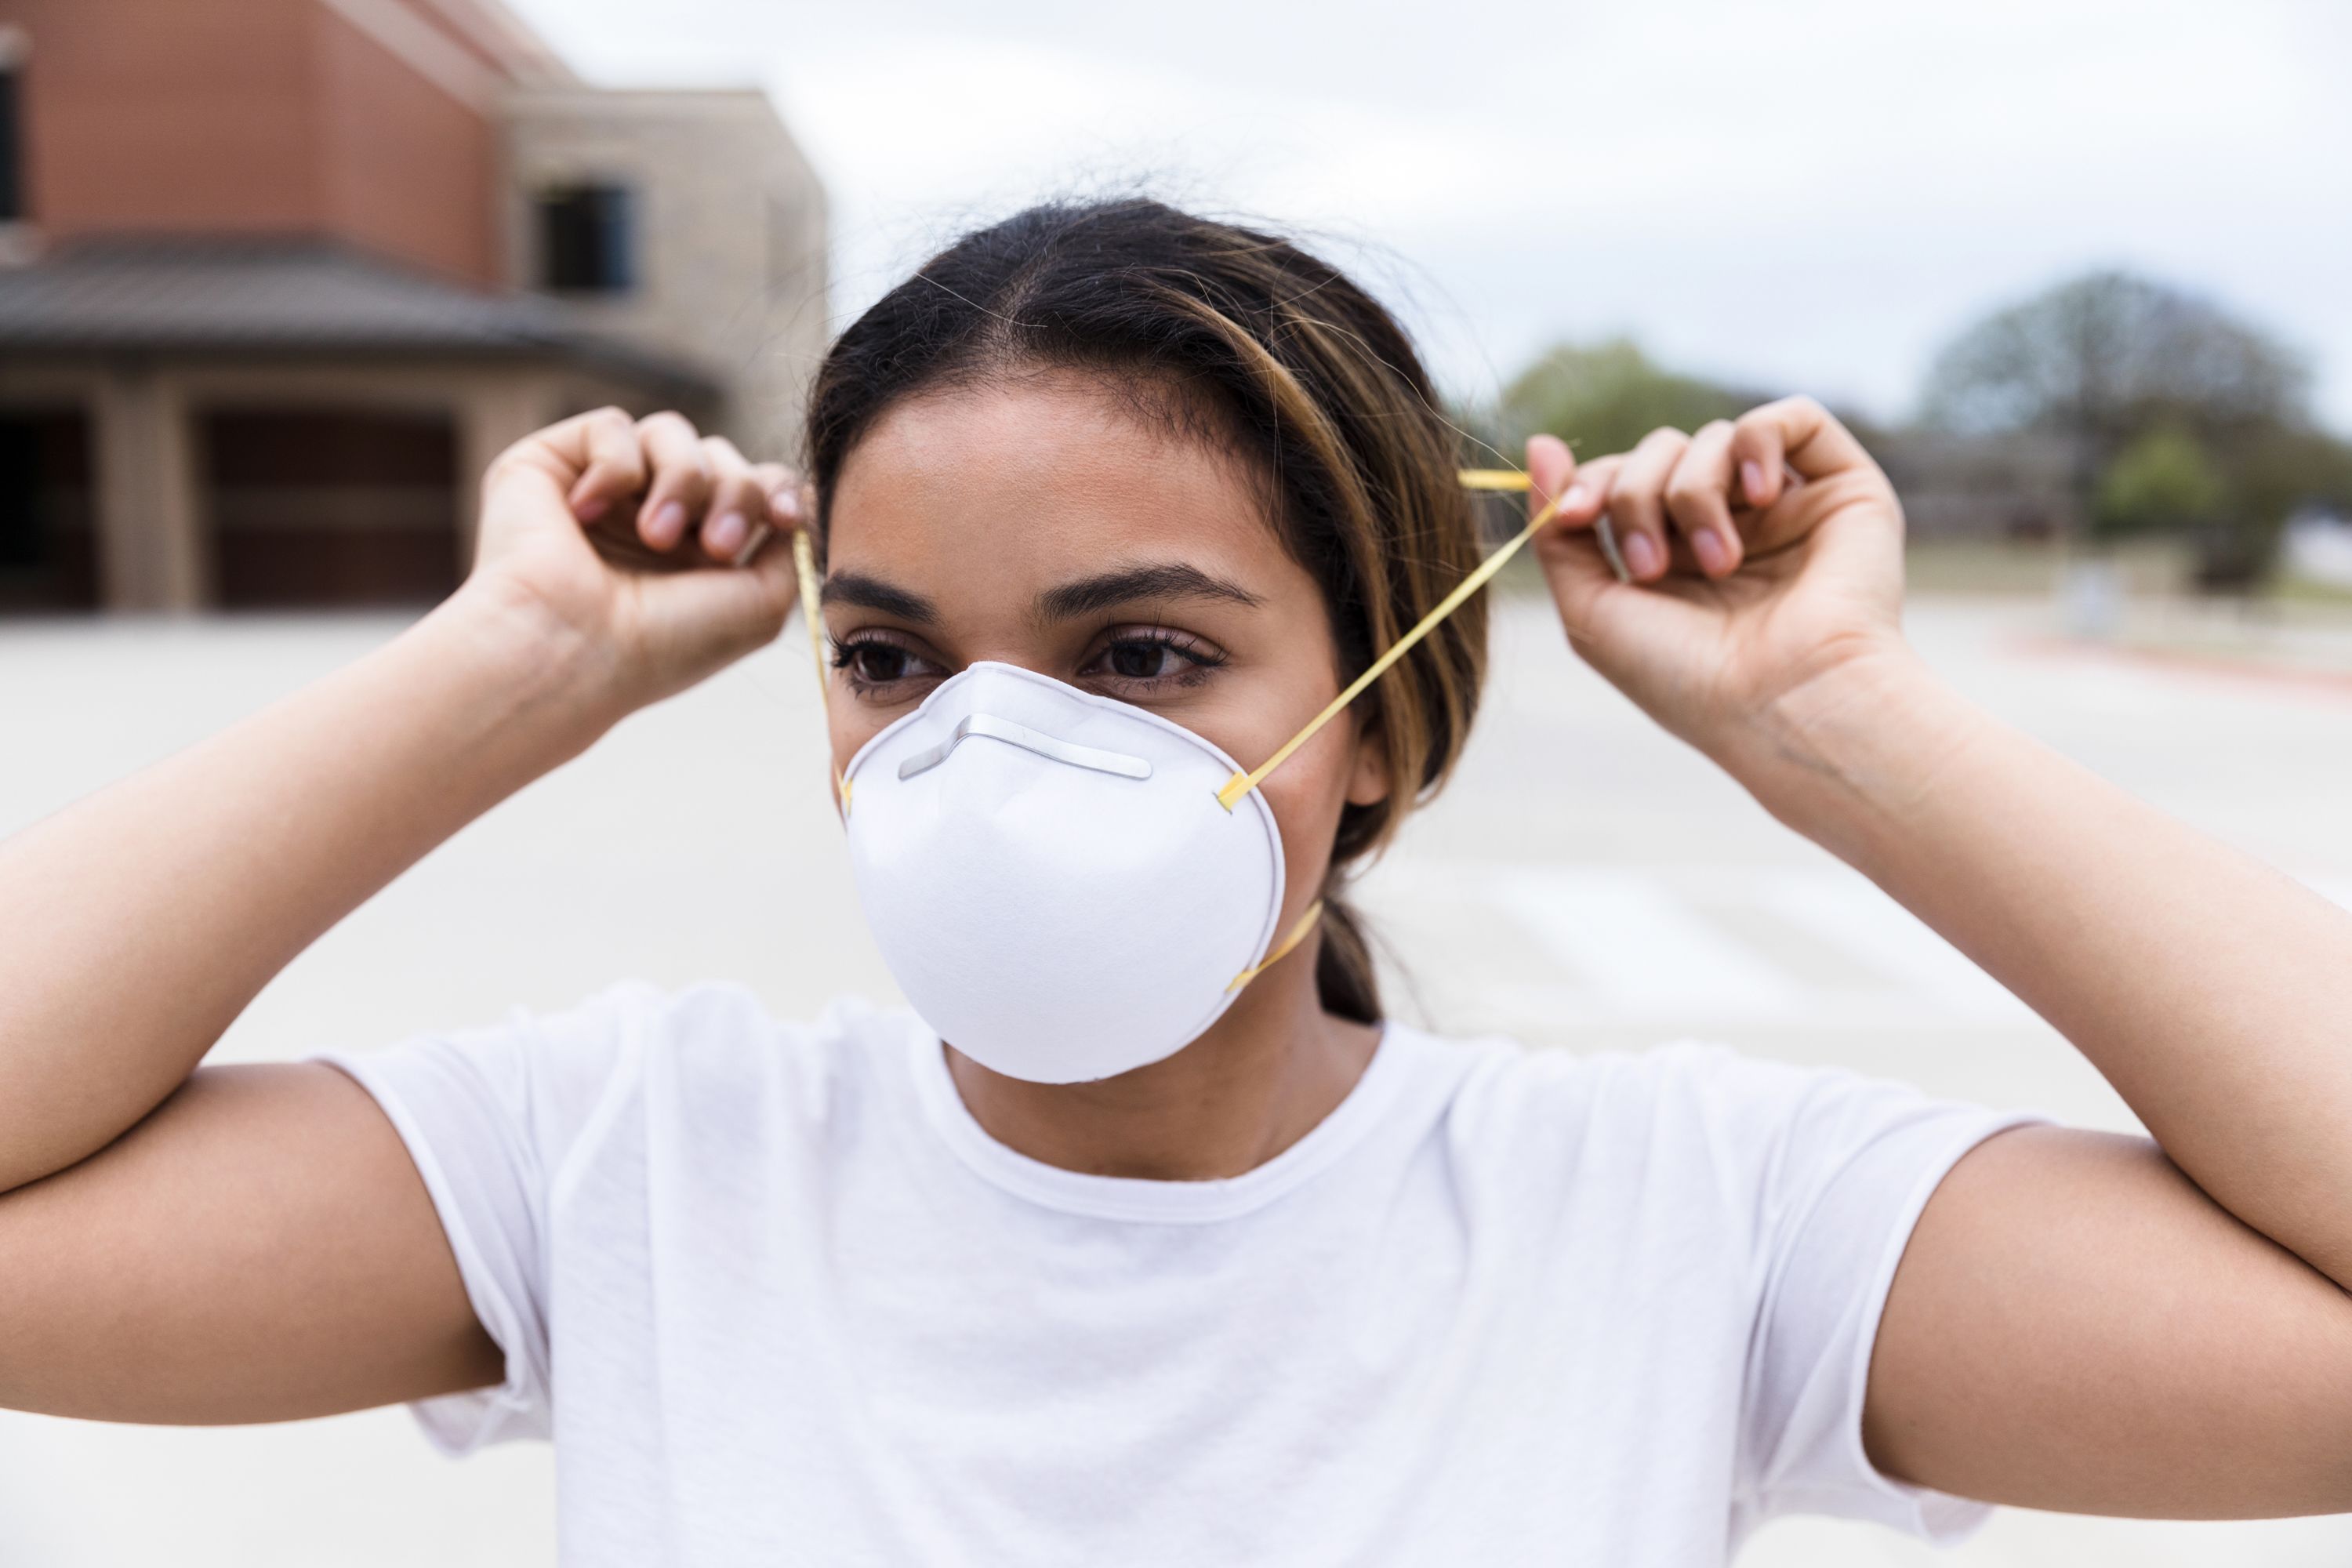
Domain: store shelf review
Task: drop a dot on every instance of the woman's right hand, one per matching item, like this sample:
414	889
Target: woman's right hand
642	545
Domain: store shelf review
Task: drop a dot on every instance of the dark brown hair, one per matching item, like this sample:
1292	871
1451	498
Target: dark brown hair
1313	383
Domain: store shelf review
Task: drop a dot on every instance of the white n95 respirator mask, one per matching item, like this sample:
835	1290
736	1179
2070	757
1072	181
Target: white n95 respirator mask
1065	887
1051	878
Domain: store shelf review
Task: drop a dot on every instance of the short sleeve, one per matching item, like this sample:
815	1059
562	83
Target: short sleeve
1840	1166
488	1116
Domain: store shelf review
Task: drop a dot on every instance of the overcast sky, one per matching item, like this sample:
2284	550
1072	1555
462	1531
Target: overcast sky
1805	195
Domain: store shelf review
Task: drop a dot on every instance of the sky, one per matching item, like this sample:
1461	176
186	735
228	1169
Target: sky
1806	195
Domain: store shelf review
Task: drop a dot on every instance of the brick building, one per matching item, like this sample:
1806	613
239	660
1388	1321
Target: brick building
279	277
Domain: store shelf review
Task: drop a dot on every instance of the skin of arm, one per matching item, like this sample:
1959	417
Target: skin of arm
143	1243
2172	1328
2081	1321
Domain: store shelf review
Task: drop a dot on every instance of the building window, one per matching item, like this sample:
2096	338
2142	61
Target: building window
11	145
587	240
49	548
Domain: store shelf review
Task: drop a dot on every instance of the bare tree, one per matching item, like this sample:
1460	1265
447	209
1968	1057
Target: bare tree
2105	358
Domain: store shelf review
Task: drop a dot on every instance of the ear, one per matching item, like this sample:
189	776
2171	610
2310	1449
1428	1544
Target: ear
1367	775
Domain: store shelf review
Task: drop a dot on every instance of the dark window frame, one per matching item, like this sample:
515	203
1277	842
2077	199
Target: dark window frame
14	207
587	237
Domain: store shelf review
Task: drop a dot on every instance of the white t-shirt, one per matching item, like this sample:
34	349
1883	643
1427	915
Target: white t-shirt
778	1298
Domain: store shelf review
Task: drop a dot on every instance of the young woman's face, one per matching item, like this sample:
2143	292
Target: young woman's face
1042	525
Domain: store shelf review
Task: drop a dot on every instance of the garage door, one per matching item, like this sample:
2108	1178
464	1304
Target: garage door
321	509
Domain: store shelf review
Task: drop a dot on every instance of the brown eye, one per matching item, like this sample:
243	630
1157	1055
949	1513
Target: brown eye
1140	660
873	662
879	662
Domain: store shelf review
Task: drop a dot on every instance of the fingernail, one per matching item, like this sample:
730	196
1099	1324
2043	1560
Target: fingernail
1642	555
669	523
725	535
592	509
1751	479
1709	546
1578	498
786	503
761	534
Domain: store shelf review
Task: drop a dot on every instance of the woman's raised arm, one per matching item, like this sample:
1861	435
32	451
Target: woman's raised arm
2080	1323
144	919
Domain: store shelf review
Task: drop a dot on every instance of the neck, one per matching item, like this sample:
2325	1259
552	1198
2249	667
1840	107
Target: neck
1271	1068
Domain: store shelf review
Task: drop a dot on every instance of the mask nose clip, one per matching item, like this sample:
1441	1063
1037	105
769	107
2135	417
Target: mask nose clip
990	727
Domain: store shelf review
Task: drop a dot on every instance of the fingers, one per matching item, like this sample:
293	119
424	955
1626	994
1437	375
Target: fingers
1590	509
1756	457
1637	502
692	485
739	503
762	482
682	479
1722	492
682	483
1581	493
1798	433
603	445
1580	576
1698	499
789	501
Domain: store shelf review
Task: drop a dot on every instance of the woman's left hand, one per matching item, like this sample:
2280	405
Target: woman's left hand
1765	555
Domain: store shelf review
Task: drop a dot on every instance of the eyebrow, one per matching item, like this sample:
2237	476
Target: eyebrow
1172	580
873	593
1087	596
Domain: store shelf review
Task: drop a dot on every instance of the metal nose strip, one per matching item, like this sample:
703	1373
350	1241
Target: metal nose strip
1028	740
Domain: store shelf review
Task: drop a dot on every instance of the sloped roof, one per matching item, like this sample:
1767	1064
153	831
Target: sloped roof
295	298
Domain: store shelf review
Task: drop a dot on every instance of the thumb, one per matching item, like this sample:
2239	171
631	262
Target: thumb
1552	468
1574	568
706	617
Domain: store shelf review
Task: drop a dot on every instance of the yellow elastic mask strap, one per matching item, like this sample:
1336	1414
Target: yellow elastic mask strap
804	563
1282	949
1240	785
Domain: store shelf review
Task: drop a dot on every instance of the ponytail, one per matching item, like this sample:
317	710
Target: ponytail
1344	977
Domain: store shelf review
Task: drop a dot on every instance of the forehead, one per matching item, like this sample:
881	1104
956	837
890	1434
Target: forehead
1041	477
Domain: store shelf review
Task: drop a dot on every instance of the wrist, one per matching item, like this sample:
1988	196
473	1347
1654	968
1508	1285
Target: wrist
563	685
1853	748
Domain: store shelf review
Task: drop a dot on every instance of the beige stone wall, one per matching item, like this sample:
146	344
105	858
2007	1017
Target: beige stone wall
730	232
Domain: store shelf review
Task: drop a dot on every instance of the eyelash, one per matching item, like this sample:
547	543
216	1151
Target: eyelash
1198	658
845	652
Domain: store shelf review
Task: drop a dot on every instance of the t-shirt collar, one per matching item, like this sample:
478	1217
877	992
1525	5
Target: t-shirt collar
1136	1198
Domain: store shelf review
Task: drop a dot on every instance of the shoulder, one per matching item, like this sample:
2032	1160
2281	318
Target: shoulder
710	1056
710	1046
715	1055
1509	1085
1688	1080
1687	1108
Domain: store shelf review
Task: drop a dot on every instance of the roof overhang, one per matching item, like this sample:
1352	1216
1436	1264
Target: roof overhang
294	301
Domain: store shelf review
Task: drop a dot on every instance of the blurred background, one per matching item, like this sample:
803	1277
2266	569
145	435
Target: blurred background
279	277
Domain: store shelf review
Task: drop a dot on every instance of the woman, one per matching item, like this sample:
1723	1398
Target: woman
1100	1254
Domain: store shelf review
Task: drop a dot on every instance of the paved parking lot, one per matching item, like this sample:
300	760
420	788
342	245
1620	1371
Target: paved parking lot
1588	882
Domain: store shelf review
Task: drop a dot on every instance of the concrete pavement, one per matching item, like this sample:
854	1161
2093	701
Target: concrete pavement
1587	882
